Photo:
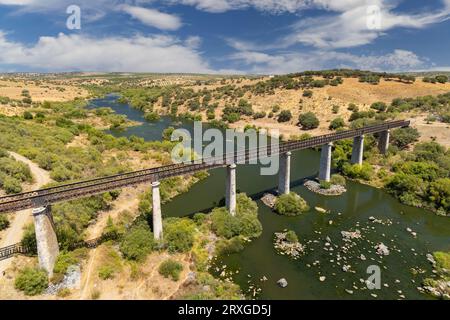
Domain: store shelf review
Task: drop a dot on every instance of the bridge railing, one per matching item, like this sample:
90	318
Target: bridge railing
90	187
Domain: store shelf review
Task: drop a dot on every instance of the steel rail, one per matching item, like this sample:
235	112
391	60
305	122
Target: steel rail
95	186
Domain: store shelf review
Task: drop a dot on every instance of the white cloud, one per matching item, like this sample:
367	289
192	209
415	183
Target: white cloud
154	18
263	63
272	6
76	52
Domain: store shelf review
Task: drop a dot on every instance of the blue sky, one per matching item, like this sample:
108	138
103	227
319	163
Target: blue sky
225	36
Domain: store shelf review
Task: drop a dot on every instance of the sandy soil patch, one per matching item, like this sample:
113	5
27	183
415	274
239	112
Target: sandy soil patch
437	131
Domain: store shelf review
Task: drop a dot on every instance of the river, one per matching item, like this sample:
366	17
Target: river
401	271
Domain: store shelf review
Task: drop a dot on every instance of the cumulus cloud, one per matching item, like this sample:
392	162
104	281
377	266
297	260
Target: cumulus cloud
263	63
153	18
155	53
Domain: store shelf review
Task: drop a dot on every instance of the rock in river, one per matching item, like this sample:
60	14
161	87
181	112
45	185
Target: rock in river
282	283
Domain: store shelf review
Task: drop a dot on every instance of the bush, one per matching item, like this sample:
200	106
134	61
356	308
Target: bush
138	242
106	272
337	179
402	137
308	93
335	109
31	281
325	185
4	222
179	234
337	124
170	269
379	106
356	171
233	245
290	204
284	116
291	236
11	185
27	115
245	223
152	116
353	107
308	121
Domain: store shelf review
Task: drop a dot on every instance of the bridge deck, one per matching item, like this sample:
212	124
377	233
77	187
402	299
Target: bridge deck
86	188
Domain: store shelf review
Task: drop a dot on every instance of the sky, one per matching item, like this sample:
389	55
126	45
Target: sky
223	36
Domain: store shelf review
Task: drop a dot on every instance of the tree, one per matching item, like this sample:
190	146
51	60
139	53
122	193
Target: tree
284	116
31	281
439	194
179	234
290	204
170	269
402	137
379	106
308	121
308	93
138	242
441	79
337	124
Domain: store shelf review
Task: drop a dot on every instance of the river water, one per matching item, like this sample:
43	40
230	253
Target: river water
401	271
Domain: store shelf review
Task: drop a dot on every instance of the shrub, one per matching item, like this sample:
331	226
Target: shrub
284	116
335	109
27	115
337	124
353	107
379	106
308	121
245	223
337	179
138	242
31	281
179	234
291	236
290	204
308	93
170	269
233	245
441	79
11	185
4	222
325	184
402	137
106	272
152	116
356	171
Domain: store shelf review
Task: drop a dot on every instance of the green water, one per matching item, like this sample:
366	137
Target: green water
349	212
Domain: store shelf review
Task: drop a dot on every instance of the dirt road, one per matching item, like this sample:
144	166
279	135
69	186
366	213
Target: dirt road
14	233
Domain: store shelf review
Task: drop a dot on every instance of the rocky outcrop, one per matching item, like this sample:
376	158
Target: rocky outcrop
334	190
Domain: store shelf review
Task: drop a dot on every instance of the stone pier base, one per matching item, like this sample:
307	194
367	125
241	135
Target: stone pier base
47	243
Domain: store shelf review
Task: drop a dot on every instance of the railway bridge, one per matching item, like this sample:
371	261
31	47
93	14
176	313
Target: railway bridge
41	200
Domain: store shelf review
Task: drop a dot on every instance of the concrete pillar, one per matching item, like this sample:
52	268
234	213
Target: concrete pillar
47	243
230	196
157	218
383	141
325	162
358	150
284	177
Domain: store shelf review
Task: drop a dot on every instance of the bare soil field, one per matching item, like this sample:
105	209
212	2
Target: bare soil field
44	91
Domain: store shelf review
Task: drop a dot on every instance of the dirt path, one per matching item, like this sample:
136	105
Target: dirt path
14	233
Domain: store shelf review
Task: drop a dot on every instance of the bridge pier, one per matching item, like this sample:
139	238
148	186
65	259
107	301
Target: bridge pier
284	177
156	208
358	150
383	141
325	162
47	243
230	196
